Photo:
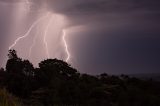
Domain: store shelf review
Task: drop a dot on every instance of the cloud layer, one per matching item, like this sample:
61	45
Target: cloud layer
114	36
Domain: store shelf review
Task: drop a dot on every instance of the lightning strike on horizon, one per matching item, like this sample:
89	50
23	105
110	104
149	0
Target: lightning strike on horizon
45	35
66	46
27	33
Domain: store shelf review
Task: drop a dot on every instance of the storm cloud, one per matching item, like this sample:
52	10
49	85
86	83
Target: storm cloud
113	36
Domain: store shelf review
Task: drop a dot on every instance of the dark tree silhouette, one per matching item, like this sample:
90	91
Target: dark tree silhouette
2	77
55	82
19	77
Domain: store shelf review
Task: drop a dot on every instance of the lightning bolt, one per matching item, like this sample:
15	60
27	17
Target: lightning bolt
65	45
28	4
27	33
45	35
34	41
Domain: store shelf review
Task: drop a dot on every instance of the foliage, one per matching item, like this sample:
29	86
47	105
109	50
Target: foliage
55	82
8	100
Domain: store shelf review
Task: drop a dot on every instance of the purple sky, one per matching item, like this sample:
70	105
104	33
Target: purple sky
112	36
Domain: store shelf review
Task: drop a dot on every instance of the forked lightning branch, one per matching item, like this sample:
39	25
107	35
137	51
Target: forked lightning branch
48	15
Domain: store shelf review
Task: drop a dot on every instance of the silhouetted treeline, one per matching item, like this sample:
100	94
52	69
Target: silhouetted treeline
55	82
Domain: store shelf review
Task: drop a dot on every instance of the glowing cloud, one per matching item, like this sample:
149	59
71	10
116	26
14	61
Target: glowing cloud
45	31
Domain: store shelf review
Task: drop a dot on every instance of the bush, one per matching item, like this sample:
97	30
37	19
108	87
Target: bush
7	99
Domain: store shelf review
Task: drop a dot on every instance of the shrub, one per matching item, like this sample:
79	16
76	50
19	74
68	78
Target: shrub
7	99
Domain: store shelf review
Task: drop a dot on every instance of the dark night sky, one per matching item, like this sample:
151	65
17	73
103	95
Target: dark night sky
112	36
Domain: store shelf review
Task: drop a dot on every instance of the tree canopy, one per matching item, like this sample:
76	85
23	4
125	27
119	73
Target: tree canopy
55	82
